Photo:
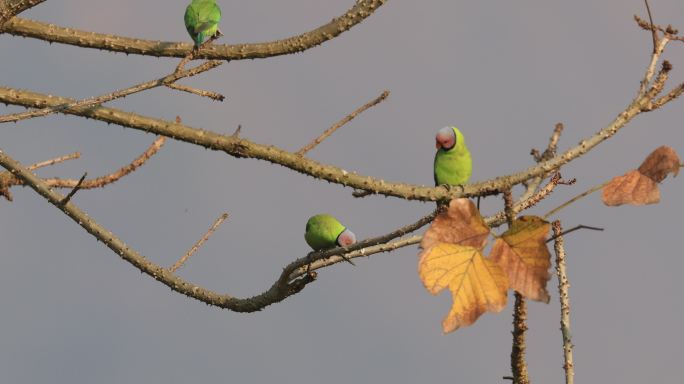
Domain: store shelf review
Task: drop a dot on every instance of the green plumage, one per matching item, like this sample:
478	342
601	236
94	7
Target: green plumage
201	20
453	166
322	231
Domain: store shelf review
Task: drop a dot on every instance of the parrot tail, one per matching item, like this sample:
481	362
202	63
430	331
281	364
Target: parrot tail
199	38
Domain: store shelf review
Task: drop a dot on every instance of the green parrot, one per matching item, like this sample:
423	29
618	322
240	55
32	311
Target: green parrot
325	231
453	165
201	20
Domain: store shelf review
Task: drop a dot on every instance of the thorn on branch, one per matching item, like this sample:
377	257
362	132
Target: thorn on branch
536	155
360	193
236	134
73	191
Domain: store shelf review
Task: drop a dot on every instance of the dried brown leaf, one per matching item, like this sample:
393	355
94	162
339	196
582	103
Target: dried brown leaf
631	188
460	224
522	253
477	284
660	163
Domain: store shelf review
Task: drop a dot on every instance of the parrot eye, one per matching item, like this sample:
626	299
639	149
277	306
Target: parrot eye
346	238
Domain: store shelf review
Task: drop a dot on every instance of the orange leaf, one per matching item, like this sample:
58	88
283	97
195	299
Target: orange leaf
522	253
477	285
639	187
631	188
460	224
659	163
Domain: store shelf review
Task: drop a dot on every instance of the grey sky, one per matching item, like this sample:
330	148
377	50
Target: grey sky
504	72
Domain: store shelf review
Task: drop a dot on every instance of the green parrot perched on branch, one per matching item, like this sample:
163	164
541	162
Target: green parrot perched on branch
325	231
201	20
453	165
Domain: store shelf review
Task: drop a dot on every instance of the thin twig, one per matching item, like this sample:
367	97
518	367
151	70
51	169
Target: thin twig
195	51
7	180
573	229
563	287
114	176
673	94
550	152
199	243
195	91
650	70
54	161
654	32
111	96
578	197
342	122
73	191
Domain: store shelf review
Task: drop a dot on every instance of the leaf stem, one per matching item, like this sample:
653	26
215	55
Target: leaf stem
578	197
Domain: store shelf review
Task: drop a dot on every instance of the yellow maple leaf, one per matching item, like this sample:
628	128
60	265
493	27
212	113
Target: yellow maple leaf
522	253
460	224
477	284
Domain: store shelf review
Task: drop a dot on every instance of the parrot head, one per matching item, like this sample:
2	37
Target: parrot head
446	138
346	238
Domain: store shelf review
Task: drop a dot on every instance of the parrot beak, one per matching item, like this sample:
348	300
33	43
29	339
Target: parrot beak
438	145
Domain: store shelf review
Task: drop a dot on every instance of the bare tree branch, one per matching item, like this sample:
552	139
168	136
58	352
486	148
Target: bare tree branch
199	243
54	161
239	147
56	34
11	8
199	92
563	290
289	282
518	363
166	80
276	293
342	122
8	180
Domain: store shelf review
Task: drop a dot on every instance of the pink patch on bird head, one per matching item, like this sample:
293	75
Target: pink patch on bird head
346	238
446	138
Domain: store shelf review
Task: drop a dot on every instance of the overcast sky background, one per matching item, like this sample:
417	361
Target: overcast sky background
503	71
